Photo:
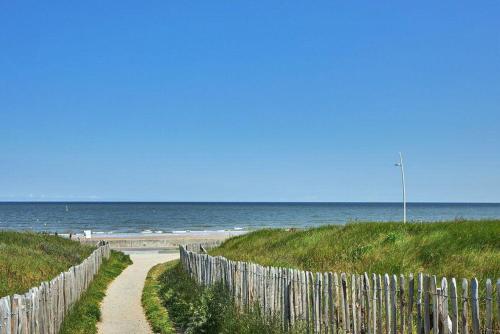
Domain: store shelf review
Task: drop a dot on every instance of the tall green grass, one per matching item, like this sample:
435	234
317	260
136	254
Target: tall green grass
155	311
452	249
27	259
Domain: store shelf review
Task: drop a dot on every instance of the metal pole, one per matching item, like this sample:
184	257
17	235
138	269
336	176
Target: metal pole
404	186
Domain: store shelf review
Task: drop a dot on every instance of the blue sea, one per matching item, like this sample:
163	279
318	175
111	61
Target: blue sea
129	217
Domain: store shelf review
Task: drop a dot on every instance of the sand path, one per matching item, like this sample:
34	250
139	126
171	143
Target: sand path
121	309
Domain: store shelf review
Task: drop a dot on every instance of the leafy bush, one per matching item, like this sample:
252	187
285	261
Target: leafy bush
155	311
195	309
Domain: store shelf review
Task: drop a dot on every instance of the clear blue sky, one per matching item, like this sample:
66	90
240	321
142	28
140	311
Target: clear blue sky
249	101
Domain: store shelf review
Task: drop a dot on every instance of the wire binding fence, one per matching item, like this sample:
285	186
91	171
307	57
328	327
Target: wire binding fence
42	309
352	303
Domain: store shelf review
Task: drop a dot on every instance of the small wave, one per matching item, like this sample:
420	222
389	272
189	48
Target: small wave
146	232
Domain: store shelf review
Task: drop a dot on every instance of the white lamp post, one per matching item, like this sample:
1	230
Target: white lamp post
400	164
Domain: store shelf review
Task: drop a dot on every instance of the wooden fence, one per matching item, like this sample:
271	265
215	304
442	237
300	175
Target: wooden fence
42	309
342	303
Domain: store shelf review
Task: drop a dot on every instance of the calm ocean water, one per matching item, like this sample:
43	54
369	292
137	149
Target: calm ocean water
173	217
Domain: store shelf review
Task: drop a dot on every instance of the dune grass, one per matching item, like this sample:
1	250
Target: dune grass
27	259
156	313
83	317
453	249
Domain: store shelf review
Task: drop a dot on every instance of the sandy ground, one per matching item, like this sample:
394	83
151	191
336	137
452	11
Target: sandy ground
157	241
122	311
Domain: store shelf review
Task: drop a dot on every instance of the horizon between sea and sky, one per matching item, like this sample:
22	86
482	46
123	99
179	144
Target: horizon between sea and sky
249	102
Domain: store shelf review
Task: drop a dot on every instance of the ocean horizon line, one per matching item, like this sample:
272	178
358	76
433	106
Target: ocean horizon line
234	202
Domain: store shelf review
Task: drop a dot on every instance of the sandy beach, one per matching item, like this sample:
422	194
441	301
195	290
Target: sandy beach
159	241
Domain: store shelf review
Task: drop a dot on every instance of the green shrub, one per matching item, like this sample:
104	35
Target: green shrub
195	309
156	313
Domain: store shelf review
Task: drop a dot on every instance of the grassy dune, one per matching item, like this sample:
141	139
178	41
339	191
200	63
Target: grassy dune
27	259
453	249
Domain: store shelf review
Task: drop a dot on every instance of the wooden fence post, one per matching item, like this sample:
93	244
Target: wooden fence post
454	306
353	305
368	304
394	286
402	304
444	307
387	305
465	292
489	307
475	306
411	300
435	307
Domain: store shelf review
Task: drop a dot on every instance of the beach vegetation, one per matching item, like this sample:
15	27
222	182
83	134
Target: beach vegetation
460	249
156	312
197	309
27	259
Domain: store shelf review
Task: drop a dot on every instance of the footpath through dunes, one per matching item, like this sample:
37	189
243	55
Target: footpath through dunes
121	309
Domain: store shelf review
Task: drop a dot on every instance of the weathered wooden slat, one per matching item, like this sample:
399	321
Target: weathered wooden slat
419	301
15	306
402	304
454	306
354	306
444	307
303	297
376	288
310	301
317	303
332	319
435	305
411	301
427	304
489	307
368	304
394	303
5	315
359	303
337	308
465	306
387	303
474	290
326	304
380	313
346	323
